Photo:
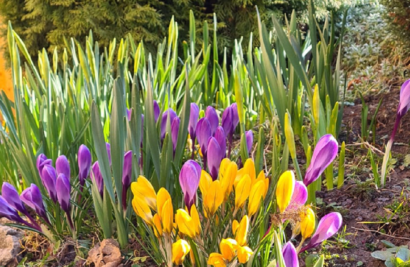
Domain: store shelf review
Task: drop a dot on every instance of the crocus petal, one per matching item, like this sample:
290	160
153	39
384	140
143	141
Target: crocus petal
203	130
228	248
174	132
172	115
185	223
242	191
143	189
129	112
325	152
290	256
127	169
212	116
97	178
189	178
235	116
193	120
31	196
63	192
244	253
227	120
241	232
84	163
404	104
255	197
157	111
180	249
49	177
62	166
249	140
284	190
299	196
327	227
42	160
217	260
108	147
307	223
8	212
221	138
12	197
214	156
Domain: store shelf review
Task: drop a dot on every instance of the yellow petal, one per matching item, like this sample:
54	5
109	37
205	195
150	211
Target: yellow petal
228	248
249	166
224	165
195	220
307	223
316	104
242	191
284	190
144	189
213	198
262	177
142	209
217	260
167	216
205	182
244	253
242	231
157	226
185	223
180	249
235	226
255	197
162	197
290	138
227	178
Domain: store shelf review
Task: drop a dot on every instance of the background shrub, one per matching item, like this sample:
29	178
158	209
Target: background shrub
397	15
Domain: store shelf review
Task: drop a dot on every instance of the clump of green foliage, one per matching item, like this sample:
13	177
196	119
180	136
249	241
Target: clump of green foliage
397	15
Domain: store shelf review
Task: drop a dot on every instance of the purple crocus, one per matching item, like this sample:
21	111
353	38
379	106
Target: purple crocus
108	147
215	156
62	166
290	256
230	119
172	115
189	180
84	164
193	121
31	196
126	177
174	132
249	140
404	106
327	227
221	138
97	178
157	111
325	152
299	196
63	192
203	130
49	177
8	212
42	160
213	118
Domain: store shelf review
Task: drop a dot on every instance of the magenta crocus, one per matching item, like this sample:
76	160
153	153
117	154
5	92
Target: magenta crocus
189	180
290	256
97	178
49	177
63	192
84	164
221	138
213	118
193	121
42	160
215	156
31	196
126	177
62	166
174	132
325	152
168	113
203	130
327	227
157	110
10	213
230	119
299	196
249	140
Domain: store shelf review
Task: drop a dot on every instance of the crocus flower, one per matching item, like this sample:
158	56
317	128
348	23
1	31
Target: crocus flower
327	227
221	138
97	178
213	118
108	147
63	192
84	164
49	177
214	157
193	121
180	249
165	210
249	140
157	111
325	152
62	166
188	224
126	177
242	191
290	256
31	196
284	190
174	132
255	197
404	106
172	115
299	196
203	130
143	189
212	197
230	120
8	212
42	160
307	223
241	233
189	178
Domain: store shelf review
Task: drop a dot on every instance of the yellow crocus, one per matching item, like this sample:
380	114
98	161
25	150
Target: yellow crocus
235	226
307	223
227	175
213	198
284	190
257	193
228	248
290	138
248	169
142	209
144	189
242	191
217	260
188	224
204	182
157	225
180	249
165	210
196	220
242	231
262	177
244	253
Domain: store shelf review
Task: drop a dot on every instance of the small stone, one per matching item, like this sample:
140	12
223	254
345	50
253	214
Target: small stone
105	254
10	245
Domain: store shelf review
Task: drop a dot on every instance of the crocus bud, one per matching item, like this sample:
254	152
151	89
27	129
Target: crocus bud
404	104
126	177
157	111
327	227
174	132
214	157
235	116
12	197
180	249
189	178
290	256
213	118
227	121
42	160
193	120
108	147
255	197
172	115
284	190
203	130
221	138
31	196
325	152
62	166
63	192
8	212
49	177
242	191
307	223
97	178
212	198
165	210
249	140
84	163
